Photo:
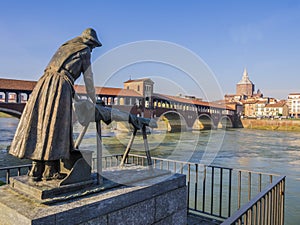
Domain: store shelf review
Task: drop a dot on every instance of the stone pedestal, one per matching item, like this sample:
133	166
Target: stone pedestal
47	191
141	201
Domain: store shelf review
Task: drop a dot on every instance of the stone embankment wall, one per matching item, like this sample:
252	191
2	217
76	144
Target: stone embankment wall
268	124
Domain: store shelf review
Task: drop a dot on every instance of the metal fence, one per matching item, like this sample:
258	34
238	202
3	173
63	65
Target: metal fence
9	171
217	192
266	208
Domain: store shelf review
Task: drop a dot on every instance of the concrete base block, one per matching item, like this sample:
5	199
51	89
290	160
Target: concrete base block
141	202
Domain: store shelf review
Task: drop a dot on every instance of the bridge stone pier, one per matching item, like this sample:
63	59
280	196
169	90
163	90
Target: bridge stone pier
175	121
171	121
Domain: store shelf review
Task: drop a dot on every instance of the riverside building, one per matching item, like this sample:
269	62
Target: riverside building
294	104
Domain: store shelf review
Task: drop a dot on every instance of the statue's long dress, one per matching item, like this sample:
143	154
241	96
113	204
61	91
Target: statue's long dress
45	128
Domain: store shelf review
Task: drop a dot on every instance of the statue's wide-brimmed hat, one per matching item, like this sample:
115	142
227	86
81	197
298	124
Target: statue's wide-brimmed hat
91	35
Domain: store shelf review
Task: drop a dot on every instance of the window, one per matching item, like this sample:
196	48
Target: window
148	88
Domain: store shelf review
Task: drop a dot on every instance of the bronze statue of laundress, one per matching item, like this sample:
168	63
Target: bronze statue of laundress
44	133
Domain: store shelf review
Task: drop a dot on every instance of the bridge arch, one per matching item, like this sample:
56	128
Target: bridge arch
11	112
171	121
225	122
203	122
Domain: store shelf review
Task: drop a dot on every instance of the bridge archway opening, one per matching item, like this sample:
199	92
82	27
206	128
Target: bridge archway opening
2	96
171	122
11	112
225	122
203	122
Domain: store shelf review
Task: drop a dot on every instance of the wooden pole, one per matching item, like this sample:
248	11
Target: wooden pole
80	137
146	146
128	147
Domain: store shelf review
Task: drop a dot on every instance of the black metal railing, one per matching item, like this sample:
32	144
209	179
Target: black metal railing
7	172
215	191
265	208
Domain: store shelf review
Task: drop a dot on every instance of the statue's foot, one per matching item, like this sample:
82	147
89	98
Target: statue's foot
55	176
36	172
51	171
35	179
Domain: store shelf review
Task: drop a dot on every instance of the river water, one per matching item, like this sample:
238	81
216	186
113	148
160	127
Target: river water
256	150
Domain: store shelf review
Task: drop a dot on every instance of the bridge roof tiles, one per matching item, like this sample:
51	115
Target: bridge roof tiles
190	101
109	91
24	85
13	85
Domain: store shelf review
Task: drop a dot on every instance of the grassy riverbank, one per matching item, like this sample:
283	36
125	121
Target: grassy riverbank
4	115
267	124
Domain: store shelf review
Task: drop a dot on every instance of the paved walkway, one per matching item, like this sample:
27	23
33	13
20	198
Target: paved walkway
200	220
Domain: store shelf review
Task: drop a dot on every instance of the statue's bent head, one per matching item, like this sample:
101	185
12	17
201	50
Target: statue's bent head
91	35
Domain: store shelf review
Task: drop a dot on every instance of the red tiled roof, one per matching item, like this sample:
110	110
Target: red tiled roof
117	91
24	85
294	94
12	84
189	101
137	80
249	101
275	105
261	101
231	107
109	91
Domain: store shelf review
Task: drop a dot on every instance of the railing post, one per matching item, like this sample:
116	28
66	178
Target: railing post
249	186
239	188
196	186
212	190
282	194
188	184
203	189
263	211
7	175
221	192
229	192
99	154
259	183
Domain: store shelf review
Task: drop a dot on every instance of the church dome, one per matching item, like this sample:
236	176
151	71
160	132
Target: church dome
245	78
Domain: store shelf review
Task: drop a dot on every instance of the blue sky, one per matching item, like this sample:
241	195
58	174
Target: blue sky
263	36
